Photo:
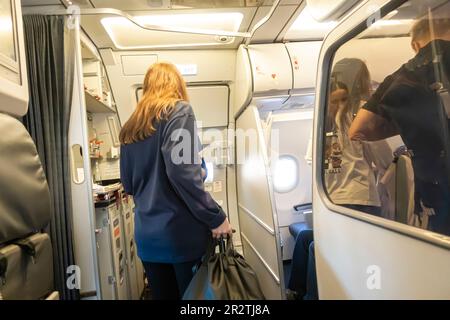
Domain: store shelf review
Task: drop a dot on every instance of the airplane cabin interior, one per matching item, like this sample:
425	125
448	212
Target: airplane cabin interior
276	86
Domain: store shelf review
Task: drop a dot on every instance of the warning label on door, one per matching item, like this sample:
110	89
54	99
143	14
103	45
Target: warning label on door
217	186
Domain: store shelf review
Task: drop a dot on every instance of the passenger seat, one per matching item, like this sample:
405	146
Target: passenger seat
26	256
296	228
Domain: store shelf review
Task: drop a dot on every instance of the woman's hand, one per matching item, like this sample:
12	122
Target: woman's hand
222	230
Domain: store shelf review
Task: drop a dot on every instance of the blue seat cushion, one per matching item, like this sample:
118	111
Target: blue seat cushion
296	228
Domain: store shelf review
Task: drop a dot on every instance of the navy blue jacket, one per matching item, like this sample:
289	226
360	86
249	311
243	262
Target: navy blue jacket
174	214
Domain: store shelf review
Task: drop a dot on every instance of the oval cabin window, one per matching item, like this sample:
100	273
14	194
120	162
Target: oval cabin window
285	174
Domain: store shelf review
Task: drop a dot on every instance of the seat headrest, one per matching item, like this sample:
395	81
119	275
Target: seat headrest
24	198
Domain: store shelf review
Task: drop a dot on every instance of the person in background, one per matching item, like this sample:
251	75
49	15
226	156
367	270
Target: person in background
161	168
411	102
303	280
354	73
349	176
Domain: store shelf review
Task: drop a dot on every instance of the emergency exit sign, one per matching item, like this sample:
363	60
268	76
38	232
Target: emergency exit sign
187	69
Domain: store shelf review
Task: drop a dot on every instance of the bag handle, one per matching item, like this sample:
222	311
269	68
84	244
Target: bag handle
225	248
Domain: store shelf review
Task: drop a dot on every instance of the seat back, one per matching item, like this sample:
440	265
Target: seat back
24	197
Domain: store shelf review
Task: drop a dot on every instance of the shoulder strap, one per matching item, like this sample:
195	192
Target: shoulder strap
442	88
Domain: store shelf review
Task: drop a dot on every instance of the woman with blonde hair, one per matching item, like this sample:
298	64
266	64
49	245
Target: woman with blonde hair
161	169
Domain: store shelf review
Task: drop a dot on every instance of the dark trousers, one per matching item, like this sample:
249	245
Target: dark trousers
440	202
440	221
169	281
303	274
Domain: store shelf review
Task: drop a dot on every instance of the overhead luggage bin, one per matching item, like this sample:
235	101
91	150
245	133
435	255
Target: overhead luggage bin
276	76
263	76
272	74
304	57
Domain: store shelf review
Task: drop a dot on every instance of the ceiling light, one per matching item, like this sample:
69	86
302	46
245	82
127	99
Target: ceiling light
305	21
212	22
127	35
306	27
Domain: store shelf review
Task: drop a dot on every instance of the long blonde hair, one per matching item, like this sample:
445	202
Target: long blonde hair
163	88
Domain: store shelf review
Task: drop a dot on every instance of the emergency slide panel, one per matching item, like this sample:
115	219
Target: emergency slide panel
210	104
257	217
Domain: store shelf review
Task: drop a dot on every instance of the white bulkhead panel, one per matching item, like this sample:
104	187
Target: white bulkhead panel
199	66
210	104
13	67
243	81
134	65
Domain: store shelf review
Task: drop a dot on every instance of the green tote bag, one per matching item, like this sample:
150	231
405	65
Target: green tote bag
223	275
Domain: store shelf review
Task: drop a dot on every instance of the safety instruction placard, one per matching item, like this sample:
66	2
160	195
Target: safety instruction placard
217	186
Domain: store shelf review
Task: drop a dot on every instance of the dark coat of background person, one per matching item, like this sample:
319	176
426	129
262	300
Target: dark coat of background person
409	101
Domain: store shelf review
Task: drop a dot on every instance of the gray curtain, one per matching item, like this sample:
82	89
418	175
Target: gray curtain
50	62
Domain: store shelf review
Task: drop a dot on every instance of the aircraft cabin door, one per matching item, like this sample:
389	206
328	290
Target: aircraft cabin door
257	215
210	105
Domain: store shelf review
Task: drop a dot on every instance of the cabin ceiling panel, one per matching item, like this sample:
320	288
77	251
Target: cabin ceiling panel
270	30
137	38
